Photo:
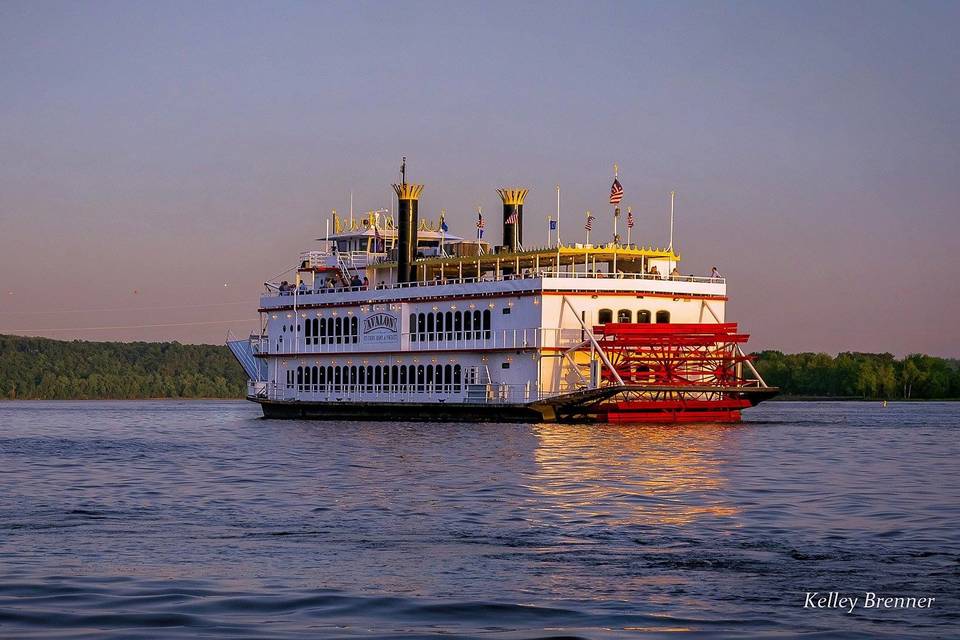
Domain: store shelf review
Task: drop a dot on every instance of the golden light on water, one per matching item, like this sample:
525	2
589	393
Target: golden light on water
645	475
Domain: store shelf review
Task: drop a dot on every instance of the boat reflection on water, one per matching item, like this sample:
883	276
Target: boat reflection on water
647	475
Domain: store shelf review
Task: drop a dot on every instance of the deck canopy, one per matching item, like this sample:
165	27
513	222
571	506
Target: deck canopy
606	259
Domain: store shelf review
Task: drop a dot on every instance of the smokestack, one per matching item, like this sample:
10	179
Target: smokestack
512	217
408	197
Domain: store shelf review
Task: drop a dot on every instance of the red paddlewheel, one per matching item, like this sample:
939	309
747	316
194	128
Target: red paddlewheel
674	354
676	372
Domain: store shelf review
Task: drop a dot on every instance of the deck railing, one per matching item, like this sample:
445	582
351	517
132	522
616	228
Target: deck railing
532	338
273	287
482	393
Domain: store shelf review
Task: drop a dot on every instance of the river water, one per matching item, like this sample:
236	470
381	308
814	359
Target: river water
199	519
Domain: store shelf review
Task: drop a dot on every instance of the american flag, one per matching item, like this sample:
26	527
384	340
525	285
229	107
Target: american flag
480	224
629	219
616	192
589	224
512	218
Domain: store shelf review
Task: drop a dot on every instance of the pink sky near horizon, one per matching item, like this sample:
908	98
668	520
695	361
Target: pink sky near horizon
159	162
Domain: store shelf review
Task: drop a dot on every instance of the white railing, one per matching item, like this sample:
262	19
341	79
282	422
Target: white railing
490	393
314	259
273	288
435	341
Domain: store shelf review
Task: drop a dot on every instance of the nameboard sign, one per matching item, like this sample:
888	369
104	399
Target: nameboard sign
381	328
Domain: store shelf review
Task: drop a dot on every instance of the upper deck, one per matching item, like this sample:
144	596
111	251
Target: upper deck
324	277
505	284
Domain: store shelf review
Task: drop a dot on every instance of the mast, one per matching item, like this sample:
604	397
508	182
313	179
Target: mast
558	215
673	196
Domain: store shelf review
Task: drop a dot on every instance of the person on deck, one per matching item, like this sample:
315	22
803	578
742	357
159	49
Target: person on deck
715	273
675	274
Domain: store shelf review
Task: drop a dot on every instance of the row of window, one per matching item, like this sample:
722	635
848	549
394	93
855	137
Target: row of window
332	330
626	315
452	325
428	378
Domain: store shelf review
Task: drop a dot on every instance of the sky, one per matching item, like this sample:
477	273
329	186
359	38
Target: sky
159	161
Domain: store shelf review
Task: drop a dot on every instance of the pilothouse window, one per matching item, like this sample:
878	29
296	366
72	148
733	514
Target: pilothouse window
604	316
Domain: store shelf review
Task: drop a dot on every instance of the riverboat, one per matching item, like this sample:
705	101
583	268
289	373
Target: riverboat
396	318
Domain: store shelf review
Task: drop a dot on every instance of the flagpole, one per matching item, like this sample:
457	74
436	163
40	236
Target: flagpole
549	230
558	215
673	195
588	229
629	229
616	208
443	214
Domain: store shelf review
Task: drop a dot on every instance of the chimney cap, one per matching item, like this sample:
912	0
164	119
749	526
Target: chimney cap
512	195
408	191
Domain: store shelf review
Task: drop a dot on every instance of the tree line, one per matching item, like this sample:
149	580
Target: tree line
861	375
44	369
41	368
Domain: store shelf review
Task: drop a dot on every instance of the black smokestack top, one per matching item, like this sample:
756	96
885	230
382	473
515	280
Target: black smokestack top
512	217
408	198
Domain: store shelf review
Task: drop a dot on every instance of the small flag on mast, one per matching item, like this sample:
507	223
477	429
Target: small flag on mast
480	224
443	224
553	225
589	225
616	192
629	218
512	218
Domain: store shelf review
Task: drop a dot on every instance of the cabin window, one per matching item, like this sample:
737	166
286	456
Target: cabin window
663	317
315	378
355	328
457	377
643	316
447	375
476	325
458	325
440	325
451	323
624	315
486	324
430	328
505	365
604	316
506	311
413	327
